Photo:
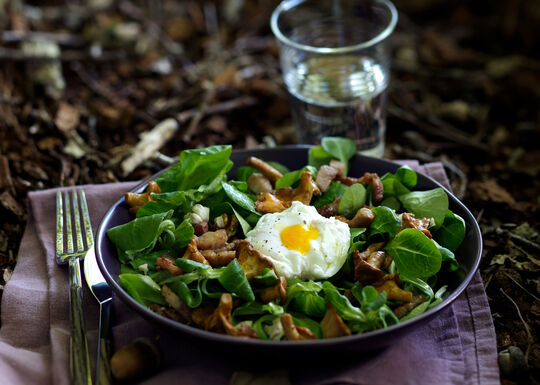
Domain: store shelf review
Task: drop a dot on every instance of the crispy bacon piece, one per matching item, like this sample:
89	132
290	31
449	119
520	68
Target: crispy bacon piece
293	332
212	239
389	284
166	262
136	201
279	290
339	166
404	309
363	218
264	168
251	260
325	176
408	220
219	257
200	228
258	183
332	324
176	303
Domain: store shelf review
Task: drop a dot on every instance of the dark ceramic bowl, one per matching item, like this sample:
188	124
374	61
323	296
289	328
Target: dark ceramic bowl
295	157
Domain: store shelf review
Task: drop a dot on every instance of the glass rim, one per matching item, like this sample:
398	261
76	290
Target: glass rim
289	4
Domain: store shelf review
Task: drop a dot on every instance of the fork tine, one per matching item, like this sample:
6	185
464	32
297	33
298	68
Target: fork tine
86	219
59	224
69	230
77	218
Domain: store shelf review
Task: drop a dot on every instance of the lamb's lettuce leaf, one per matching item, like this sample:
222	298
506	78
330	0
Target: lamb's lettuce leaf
139	236
415	255
427	204
142	288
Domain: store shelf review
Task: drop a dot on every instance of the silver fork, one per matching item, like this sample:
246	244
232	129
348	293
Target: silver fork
79	361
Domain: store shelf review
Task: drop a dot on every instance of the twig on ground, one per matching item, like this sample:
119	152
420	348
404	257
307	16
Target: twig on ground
149	144
529	335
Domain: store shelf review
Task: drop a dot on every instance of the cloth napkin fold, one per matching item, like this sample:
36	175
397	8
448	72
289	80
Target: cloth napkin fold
456	347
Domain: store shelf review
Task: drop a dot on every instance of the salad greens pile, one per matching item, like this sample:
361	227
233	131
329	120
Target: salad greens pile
162	227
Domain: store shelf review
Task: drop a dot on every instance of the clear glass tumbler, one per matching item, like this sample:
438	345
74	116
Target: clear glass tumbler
336	65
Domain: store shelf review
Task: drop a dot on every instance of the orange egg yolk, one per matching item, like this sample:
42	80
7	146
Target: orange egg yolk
297	237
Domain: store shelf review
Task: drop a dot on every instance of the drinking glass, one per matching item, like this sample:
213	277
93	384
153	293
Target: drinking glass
336	66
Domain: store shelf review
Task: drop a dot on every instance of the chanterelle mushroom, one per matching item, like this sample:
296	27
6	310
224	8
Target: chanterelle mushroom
279	290
293	332
136	201
389	284
220	319
332	324
251	260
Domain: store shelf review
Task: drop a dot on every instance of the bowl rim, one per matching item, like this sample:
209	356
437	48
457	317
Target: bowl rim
231	340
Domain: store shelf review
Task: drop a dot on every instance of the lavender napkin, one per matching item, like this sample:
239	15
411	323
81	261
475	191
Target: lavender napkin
457	347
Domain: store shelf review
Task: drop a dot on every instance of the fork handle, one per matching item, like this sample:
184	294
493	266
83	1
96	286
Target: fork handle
79	361
103	367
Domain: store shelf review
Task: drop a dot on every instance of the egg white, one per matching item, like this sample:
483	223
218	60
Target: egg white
326	255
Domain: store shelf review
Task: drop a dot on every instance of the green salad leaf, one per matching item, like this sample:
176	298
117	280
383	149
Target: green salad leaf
415	255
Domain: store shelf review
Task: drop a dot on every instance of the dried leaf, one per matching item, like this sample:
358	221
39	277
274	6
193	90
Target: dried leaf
67	117
490	190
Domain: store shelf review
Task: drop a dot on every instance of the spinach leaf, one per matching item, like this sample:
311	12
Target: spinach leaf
415	255
244	172
239	198
188	265
138	237
357	238
309	304
278	166
215	291
295	286
342	149
428	204
142	288
392	203
183	234
447	256
292	177
267	278
407	176
392	186
234	280
335	190
344	307
317	156
192	297
385	224
437	299
226	207
420	309
168	201
196	168
149	260
256	308
417	284
353	199
452	231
